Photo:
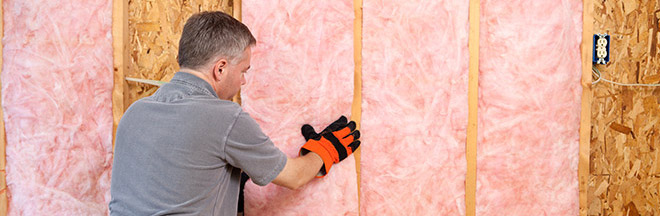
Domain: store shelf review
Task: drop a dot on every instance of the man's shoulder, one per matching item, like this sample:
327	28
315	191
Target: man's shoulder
216	105
195	108
199	102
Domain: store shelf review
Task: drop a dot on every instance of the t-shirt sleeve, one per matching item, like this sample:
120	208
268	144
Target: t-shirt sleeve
249	149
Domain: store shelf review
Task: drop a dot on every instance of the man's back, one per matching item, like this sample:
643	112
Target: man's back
177	152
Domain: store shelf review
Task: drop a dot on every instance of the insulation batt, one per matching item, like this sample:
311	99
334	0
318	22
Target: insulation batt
529	107
302	72
414	113
56	92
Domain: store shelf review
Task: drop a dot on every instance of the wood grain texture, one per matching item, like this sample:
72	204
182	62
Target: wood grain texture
624	168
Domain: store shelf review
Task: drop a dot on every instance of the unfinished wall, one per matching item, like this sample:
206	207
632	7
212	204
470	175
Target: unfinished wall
154	29
56	97
624	168
302	72
414	111
529	107
625	139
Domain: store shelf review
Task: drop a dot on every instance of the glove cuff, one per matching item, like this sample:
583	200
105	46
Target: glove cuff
316	147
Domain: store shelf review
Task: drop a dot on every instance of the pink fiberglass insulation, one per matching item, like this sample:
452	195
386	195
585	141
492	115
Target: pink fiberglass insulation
56	96
529	107
302	72
414	117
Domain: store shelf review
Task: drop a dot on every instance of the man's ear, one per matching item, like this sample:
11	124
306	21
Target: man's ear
219	67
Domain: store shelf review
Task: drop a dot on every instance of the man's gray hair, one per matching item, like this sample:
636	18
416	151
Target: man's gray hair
209	35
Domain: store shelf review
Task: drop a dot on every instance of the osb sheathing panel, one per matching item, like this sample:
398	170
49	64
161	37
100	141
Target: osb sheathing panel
625	139
154	29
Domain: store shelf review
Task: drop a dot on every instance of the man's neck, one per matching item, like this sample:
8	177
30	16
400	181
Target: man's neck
199	74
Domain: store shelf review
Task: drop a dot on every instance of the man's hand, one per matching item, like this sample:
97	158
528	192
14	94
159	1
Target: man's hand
308	131
333	144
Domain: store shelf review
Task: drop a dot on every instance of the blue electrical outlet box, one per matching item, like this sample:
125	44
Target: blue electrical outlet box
601	49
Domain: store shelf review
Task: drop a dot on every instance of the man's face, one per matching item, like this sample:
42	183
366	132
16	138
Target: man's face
233	76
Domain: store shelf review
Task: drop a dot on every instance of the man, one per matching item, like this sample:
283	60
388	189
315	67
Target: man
181	150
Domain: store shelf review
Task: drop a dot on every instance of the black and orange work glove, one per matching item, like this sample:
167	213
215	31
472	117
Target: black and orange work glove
333	144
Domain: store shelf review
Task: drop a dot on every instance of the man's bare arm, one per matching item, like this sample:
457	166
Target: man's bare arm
298	171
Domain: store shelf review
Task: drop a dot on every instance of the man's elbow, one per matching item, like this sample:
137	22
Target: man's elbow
291	187
294	184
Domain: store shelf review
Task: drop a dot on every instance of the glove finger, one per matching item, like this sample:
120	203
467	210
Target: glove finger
336	125
343	134
354	145
308	132
355	134
349	138
351	125
345	131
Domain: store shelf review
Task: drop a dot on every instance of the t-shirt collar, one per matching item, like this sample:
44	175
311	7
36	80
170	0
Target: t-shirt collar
195	82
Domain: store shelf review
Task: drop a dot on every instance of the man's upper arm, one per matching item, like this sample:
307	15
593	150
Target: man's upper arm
249	149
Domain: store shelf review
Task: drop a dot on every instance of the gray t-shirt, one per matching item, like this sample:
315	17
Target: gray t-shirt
181	151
